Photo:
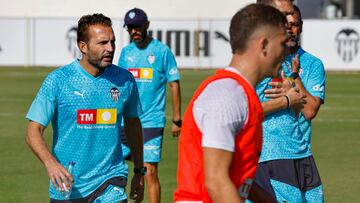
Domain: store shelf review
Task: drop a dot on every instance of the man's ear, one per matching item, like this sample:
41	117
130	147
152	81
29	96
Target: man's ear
264	46
83	47
147	25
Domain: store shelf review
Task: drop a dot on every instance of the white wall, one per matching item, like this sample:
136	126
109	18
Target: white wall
156	9
336	42
52	42
38	32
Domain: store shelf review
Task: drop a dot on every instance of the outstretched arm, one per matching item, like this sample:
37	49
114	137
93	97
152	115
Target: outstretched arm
57	173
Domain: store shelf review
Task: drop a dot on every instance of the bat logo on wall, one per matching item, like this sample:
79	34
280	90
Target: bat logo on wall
347	44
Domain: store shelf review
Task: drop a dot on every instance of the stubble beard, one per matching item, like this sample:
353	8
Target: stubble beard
99	64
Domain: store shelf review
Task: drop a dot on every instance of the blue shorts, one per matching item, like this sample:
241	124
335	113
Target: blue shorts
153	138
113	190
291	180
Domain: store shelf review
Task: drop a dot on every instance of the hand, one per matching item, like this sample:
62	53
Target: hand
279	88
137	188
297	99
175	130
59	175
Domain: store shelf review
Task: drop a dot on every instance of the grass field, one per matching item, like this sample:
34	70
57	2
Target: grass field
336	137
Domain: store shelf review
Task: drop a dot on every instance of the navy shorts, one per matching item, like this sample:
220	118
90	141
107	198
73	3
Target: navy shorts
291	180
153	138
113	190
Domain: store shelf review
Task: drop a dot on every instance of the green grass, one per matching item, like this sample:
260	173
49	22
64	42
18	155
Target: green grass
335	137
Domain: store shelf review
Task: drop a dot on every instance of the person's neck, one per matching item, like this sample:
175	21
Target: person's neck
143	44
294	50
246	67
92	70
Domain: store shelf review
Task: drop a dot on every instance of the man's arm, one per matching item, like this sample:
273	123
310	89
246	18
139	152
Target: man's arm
312	105
218	183
36	142
217	180
134	137
282	96
176	106
274	105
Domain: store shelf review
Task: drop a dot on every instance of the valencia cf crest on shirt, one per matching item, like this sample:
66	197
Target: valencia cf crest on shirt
151	59
114	93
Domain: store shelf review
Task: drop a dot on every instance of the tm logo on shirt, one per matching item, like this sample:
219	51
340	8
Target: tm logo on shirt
96	116
142	73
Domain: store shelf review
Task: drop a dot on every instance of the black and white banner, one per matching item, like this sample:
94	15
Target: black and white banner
195	43
335	42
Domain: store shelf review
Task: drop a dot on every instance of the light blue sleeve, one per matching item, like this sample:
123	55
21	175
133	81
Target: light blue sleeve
316	82
132	108
43	107
172	72
122	61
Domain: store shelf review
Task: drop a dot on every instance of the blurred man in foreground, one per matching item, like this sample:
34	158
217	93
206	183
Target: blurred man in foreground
221	139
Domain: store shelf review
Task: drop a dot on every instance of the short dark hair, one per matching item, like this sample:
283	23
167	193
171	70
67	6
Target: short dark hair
269	2
297	10
246	21
86	21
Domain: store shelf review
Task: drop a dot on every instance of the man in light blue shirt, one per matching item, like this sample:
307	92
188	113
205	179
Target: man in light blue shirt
152	65
287	168
85	102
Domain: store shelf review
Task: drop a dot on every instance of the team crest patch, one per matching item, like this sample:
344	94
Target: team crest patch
151	59
114	93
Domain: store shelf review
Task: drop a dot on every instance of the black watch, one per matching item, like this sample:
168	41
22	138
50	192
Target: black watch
141	171
294	75
178	123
